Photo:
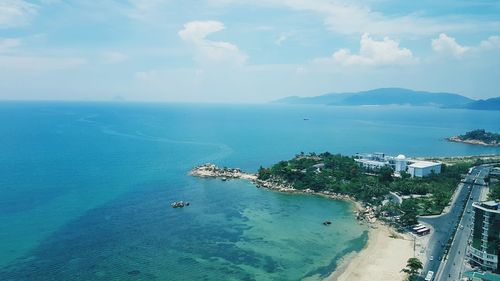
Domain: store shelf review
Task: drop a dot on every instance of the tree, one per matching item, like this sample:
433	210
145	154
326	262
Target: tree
494	192
391	208
386	174
428	204
405	175
264	174
410	212
413	266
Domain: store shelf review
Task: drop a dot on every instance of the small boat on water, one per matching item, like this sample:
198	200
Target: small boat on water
224	179
327	222
179	204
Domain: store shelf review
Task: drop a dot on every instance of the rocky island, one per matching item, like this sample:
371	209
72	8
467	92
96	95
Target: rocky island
478	137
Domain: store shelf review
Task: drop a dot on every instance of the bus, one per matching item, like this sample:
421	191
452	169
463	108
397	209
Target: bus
416	229
423	231
429	276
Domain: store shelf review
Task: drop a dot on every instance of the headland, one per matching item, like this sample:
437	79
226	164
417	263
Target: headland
369	188
386	251
478	137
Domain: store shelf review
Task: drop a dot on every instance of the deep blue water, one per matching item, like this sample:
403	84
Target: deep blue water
85	188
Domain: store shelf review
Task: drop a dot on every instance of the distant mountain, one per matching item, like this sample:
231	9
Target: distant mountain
489	104
384	96
323	99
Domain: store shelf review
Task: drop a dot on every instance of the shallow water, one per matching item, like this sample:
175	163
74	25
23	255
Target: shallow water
85	188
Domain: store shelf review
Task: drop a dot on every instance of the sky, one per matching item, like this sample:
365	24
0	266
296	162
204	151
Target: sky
244	50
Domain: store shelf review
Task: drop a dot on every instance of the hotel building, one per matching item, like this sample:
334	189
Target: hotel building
485	246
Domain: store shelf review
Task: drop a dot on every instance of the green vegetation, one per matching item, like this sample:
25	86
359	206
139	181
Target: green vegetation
494	181
341	174
494	192
413	266
441	187
481	135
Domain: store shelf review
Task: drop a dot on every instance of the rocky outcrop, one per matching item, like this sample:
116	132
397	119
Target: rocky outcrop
472	141
179	204
212	171
276	184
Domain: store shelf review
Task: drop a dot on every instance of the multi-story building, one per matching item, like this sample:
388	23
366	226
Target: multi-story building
416	168
485	247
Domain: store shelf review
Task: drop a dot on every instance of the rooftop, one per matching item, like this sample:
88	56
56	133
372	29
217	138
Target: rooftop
482	275
371	162
423	164
488	205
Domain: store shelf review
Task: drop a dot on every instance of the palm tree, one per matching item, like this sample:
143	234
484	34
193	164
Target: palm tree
413	266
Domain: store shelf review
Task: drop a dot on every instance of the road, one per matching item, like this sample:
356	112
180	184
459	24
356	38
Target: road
444	225
453	267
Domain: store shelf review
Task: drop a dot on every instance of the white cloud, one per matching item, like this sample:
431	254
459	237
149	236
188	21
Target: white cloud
354	17
282	38
209	51
445	44
492	43
15	13
351	19
198	30
373	53
113	57
9	44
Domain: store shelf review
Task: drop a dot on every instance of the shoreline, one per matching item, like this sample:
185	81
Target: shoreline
382	258
210	170
384	254
472	141
452	160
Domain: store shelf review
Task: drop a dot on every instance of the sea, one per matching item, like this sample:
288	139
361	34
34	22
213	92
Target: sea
85	188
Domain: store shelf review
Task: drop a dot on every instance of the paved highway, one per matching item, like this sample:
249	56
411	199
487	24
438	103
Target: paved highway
444	225
453	267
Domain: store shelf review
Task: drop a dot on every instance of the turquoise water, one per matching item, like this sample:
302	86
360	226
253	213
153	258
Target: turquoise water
85	188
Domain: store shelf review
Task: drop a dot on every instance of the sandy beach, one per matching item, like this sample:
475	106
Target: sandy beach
382	258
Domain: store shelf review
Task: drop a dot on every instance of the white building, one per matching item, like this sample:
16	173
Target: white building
371	164
399	164
373	161
423	168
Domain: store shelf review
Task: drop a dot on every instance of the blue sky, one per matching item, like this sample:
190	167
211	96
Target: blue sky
243	50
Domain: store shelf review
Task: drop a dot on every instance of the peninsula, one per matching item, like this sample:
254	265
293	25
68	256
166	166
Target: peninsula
387	198
349	178
478	137
210	170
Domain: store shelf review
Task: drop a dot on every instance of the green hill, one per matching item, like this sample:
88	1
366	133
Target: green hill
488	104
